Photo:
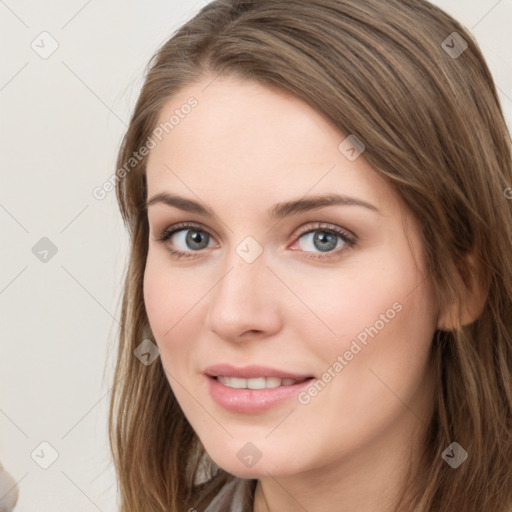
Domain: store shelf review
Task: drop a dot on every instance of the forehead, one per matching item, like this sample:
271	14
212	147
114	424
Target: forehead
235	116
242	138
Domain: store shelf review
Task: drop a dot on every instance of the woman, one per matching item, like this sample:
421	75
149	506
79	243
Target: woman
317	310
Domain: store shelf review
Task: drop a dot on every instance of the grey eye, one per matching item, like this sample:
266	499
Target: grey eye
191	240
322	241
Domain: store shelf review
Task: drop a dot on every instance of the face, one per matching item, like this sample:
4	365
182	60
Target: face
292	334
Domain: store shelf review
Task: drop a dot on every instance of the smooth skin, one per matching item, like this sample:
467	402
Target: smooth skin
241	150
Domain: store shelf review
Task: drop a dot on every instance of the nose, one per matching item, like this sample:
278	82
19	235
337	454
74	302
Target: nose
244	304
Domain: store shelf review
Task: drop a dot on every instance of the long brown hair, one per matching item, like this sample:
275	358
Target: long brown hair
423	101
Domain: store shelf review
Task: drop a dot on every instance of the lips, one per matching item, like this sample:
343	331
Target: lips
252	389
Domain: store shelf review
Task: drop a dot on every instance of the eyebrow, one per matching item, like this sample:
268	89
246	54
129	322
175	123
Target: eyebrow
276	212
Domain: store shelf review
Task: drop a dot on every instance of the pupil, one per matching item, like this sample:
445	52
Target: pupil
322	239
194	238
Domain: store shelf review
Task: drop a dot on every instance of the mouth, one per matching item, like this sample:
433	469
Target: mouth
253	389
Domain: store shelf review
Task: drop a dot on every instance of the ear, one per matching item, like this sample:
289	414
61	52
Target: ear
472	297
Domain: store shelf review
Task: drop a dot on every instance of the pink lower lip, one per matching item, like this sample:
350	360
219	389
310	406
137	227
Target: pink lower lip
252	401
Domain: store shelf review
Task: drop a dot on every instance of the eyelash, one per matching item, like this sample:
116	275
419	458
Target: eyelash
348	239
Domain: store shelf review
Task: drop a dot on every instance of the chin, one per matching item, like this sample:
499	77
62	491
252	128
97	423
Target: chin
247	460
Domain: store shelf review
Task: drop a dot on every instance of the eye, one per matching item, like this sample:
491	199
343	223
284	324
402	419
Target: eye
188	238
317	242
326	239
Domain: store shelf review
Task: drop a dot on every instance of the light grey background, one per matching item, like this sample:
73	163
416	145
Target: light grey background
61	122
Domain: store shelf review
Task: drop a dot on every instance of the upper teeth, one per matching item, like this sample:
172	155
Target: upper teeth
255	383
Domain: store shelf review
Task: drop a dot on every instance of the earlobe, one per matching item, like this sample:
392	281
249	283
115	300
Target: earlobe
472	298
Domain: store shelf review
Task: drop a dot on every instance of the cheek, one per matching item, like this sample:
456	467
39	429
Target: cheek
171	297
384	324
157	298
354	298
383	316
376	363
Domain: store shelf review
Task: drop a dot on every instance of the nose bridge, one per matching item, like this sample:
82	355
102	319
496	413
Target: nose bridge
241	299
241	282
245	270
